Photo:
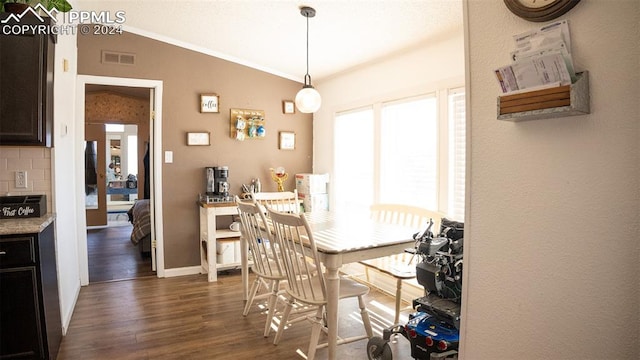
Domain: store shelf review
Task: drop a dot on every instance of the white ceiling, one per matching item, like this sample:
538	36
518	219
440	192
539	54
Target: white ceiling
270	35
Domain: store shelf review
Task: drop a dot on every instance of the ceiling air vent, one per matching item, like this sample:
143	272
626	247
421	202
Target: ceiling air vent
112	57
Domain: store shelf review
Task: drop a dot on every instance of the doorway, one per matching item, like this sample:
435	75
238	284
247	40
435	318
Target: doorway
112	190
152	142
115	174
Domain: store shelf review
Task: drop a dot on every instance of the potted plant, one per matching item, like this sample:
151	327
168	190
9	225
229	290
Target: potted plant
14	6
18	6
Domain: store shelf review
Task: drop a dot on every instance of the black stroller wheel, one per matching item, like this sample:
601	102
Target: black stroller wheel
378	349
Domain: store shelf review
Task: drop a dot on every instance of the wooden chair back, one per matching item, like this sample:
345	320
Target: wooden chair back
282	201
254	228
414	216
295	240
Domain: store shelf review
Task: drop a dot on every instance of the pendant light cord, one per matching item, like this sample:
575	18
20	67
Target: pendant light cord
307	74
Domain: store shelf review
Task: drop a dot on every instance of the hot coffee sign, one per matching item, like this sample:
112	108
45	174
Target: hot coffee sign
23	211
22	206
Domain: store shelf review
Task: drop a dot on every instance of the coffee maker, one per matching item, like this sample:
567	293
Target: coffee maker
218	183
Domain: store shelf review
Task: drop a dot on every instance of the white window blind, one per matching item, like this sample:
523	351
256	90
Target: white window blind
408	153
457	154
354	160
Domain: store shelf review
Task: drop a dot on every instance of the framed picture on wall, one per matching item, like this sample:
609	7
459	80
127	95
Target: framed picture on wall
288	107
209	103
198	138
287	140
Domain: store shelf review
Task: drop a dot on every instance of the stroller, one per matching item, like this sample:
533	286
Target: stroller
434	329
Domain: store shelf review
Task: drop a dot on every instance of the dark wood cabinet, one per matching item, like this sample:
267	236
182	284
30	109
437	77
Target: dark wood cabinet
30	323
26	84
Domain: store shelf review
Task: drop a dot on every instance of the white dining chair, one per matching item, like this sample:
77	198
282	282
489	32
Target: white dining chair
305	285
401	266
266	262
282	201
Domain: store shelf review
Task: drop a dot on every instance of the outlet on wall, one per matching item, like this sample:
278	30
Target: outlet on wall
21	179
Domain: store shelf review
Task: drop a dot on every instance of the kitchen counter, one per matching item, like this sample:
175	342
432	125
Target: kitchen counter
32	225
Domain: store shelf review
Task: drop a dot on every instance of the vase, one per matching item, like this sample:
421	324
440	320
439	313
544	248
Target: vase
15	8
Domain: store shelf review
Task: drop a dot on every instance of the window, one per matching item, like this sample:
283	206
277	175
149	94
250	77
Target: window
410	151
354	157
457	154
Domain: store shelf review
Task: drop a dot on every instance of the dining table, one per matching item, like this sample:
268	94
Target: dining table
343	238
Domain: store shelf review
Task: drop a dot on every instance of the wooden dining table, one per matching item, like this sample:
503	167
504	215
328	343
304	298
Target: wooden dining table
341	239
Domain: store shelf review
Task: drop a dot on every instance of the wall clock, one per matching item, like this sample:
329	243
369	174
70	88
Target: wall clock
540	10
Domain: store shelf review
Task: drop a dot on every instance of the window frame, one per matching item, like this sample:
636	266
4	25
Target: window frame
442	126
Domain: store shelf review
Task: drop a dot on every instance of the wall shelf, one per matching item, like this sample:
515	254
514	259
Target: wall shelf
561	101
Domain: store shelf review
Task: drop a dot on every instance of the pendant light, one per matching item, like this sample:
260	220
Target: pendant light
308	99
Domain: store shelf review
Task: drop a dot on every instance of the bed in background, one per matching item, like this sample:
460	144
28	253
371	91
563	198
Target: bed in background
140	217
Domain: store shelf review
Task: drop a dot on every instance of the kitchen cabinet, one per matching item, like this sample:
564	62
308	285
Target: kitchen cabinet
30	326
215	240
26	86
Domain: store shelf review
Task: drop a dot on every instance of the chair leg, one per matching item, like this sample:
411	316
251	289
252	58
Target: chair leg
396	320
317	325
272	306
283	320
252	295
365	316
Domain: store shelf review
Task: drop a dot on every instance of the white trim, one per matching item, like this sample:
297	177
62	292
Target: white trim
66	317
202	50
82	80
190	270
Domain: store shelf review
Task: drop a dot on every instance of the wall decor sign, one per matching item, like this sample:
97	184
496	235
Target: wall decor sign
209	103
288	107
198	138
287	140
23	206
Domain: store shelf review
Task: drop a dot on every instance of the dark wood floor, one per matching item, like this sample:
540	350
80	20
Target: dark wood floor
189	318
112	256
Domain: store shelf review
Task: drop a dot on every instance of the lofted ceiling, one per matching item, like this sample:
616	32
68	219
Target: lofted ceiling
270	35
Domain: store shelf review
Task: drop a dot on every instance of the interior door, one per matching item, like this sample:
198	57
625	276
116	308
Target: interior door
95	174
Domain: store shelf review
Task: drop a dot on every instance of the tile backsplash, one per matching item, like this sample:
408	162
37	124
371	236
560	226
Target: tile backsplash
36	161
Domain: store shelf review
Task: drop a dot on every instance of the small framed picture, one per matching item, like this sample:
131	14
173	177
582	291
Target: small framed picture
198	138
209	103
287	140
288	107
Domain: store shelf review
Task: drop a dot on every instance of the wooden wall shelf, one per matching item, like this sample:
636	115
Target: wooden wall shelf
561	101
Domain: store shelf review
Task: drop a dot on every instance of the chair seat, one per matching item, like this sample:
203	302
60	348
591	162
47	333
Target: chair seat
348	288
390	265
351	288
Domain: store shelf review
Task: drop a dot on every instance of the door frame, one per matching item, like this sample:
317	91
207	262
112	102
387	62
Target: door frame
155	122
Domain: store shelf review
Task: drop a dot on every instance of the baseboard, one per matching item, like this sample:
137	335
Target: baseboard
191	270
68	313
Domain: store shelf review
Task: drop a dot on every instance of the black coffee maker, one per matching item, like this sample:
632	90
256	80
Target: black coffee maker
218	182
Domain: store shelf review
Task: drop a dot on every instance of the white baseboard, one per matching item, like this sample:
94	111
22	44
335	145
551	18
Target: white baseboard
66	314
191	270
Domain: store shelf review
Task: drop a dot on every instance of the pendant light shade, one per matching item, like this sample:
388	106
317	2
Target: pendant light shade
308	99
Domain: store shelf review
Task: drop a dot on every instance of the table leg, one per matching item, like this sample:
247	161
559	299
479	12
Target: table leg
333	295
244	266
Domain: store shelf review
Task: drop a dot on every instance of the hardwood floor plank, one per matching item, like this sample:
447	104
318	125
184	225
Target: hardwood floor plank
189	318
112	255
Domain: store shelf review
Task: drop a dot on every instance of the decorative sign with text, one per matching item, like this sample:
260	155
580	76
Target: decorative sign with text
26	206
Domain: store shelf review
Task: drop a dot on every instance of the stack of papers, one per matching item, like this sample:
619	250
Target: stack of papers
541	59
